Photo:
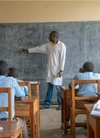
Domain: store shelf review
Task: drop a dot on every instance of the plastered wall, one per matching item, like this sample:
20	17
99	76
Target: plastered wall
48	11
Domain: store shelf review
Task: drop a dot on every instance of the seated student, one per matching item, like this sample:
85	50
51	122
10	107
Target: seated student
86	73
13	73
16	91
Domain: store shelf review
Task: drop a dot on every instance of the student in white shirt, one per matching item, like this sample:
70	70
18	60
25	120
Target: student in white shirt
56	54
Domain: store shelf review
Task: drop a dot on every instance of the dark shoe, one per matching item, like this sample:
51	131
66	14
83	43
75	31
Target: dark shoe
44	107
86	125
68	125
27	121
59	107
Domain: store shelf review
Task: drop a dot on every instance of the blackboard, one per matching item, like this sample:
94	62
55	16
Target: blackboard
82	40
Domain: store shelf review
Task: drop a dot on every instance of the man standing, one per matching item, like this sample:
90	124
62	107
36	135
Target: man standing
56	54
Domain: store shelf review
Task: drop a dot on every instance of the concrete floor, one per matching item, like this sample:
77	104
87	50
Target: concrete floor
50	125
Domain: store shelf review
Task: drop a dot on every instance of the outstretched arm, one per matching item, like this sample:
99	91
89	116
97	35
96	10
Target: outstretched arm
38	49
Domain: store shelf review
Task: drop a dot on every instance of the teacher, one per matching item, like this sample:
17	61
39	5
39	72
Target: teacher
56	54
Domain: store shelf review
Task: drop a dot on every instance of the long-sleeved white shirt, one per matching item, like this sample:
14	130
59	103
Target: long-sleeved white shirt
56	60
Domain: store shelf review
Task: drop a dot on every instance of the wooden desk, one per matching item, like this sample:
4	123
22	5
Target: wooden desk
35	88
65	95
28	108
11	129
93	123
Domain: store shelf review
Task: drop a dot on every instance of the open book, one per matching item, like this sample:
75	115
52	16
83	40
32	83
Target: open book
96	109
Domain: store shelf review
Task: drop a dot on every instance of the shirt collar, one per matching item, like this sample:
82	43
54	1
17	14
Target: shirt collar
57	42
2	77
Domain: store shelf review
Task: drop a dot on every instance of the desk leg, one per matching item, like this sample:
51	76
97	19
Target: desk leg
90	132
65	112
62	119
37	125
32	121
97	130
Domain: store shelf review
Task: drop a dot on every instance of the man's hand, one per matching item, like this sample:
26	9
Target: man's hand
81	70
60	73
24	50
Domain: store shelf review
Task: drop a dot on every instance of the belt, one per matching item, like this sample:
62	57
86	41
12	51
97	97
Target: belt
3	119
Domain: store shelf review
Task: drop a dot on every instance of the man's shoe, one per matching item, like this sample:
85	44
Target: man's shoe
68	125
27	121
59	107
44	107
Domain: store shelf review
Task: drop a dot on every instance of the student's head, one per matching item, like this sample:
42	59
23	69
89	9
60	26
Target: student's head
88	67
53	37
13	72
3	68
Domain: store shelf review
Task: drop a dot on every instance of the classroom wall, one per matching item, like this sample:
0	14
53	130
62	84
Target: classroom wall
49	11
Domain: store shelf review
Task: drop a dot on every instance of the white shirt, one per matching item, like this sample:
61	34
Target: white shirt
56	60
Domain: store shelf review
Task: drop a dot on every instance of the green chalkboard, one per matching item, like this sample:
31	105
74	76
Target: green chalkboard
82	40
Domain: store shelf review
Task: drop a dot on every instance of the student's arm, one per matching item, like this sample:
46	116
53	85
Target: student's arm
81	70
18	91
75	78
38	49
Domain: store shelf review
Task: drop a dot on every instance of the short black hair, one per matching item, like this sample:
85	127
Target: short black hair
88	66
54	32
3	68
13	72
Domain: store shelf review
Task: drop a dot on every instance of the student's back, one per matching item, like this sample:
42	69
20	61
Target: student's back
87	73
11	83
87	89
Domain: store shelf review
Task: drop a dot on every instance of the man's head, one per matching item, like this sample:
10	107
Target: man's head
13	72
53	37
88	67
3	68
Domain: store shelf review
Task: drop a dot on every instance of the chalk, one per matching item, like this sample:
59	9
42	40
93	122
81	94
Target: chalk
1	128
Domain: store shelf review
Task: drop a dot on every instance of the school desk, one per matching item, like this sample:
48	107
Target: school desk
93	123
28	108
65	95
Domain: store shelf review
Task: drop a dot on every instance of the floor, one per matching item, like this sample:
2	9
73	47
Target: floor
50	125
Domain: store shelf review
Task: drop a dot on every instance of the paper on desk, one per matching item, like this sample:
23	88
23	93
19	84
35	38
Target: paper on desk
96	109
1	128
33	82
77	86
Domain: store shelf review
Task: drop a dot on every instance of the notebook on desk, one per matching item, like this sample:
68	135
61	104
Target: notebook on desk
33	82
96	109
